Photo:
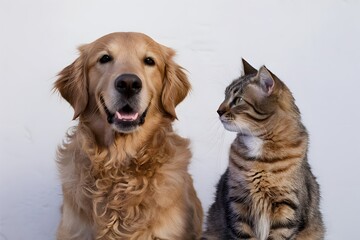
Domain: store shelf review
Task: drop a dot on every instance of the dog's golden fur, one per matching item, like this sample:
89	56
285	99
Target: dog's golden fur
120	182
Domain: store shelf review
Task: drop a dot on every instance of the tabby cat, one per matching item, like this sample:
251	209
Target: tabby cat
268	190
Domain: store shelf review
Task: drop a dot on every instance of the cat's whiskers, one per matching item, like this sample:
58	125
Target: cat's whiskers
217	130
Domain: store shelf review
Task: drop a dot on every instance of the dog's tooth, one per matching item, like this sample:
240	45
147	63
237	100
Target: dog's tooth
118	115
134	117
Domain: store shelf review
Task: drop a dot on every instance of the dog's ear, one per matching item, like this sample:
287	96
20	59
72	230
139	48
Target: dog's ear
176	85
72	83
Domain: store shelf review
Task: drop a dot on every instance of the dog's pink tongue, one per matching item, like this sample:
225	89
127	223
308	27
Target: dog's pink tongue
127	117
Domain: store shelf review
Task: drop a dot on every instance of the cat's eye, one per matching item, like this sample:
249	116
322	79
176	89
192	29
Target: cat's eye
236	101
149	61
105	58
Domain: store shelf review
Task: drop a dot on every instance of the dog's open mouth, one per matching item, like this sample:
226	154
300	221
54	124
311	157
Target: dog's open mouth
126	116
125	119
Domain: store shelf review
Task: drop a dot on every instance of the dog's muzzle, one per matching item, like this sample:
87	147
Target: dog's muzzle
126	118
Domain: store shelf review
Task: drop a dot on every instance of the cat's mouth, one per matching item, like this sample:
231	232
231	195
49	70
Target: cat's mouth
228	123
233	124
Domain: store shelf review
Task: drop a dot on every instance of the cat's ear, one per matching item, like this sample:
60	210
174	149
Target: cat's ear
266	80
248	69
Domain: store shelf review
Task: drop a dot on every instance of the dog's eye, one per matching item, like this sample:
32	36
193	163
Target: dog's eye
149	61
105	58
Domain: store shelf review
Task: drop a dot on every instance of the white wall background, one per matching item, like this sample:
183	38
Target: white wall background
311	45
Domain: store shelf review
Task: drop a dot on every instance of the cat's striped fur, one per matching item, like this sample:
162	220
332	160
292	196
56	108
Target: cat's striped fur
268	190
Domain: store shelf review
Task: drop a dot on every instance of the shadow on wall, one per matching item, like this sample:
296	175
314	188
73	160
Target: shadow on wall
3	237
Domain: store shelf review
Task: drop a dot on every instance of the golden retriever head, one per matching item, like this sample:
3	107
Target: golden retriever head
120	78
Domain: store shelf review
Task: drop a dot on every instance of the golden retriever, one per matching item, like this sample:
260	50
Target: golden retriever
123	169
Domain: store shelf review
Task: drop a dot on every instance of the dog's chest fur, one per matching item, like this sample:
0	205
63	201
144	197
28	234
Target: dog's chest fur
126	192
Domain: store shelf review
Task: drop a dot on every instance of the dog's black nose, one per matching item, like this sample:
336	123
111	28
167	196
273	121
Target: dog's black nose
128	84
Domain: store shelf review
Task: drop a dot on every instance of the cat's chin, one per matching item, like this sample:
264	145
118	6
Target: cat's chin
232	127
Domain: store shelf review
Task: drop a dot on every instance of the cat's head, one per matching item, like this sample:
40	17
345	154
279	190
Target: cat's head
255	100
